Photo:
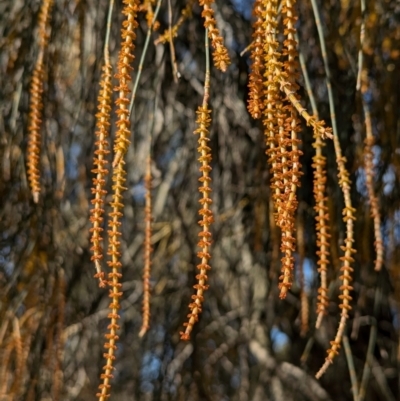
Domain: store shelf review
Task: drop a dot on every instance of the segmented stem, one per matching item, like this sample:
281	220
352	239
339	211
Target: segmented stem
203	121
147	252
322	225
100	163
291	167
124	67
255	104
272	99
36	102
113	279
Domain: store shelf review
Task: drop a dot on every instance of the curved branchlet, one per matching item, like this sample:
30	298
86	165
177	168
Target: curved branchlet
150	30
255	104
36	102
220	54
203	121
147	251
120	146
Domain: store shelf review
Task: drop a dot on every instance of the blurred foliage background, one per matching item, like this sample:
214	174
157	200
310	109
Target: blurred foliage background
248	344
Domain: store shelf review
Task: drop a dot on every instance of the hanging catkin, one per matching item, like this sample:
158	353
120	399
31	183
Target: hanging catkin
36	102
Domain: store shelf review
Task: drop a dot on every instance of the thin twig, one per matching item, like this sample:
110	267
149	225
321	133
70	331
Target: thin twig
307	350
147	237
360	51
108	32
368	360
307	81
142	57
350	364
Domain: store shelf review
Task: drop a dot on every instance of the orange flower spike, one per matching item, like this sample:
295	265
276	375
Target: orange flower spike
101	171
289	142
255	104
36	103
124	68
203	121
220	55
322	226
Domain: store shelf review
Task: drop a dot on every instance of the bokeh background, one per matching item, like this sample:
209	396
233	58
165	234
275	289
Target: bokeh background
248	344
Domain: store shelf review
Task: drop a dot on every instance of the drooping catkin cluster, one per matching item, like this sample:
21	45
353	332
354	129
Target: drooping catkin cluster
147	251
272	104
203	121
220	54
36	102
100	163
322	225
280	122
291	167
121	144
